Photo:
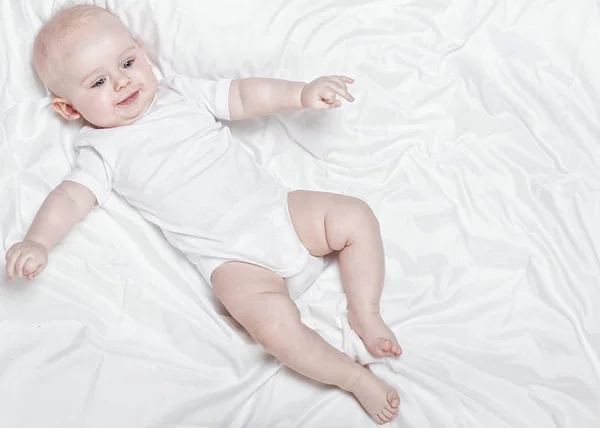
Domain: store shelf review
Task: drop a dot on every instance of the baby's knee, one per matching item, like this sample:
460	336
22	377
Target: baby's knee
360	214
272	332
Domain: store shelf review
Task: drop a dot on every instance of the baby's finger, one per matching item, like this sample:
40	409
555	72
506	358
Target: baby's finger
342	80
10	265
342	91
339	79
335	104
11	252
30	266
20	263
38	271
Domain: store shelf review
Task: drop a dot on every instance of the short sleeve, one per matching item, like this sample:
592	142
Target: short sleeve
213	94
90	171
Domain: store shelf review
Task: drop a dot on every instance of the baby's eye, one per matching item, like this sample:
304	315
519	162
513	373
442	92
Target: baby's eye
99	83
128	63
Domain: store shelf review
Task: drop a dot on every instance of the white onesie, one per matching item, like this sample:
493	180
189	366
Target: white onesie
184	172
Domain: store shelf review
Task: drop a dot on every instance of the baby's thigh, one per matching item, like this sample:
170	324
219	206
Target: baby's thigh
324	221
253	295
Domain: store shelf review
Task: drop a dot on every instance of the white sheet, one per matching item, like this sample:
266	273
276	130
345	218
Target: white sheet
474	137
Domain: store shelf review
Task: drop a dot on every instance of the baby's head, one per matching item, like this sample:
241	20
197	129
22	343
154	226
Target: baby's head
96	70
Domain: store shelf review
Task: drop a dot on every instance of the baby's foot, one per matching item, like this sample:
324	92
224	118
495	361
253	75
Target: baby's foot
378	398
376	335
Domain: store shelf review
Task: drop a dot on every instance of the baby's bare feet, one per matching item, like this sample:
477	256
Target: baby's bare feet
376	335
379	399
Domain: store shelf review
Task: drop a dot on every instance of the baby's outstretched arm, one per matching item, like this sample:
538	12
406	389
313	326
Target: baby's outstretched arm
259	96
64	207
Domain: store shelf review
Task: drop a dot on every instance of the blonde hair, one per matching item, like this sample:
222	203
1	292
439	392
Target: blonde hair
54	35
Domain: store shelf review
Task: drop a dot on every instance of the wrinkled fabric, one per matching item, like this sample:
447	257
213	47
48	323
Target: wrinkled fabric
474	138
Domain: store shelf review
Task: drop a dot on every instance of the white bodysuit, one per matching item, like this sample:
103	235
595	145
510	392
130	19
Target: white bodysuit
185	173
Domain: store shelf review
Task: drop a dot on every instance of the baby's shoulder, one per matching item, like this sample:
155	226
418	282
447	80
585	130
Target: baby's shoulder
170	91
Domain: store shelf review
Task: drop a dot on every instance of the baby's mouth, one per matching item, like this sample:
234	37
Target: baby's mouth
130	99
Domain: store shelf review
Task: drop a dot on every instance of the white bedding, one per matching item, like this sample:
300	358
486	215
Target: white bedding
474	137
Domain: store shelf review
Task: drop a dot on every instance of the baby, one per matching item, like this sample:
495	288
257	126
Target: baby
160	146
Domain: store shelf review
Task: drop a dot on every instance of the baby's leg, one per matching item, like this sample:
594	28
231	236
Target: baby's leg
258	299
326	222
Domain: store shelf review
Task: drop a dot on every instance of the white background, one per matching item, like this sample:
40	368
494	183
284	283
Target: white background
474	137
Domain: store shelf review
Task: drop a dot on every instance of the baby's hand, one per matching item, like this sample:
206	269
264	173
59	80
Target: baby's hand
26	259
321	93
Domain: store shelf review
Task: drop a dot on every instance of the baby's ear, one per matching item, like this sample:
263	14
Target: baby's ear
66	110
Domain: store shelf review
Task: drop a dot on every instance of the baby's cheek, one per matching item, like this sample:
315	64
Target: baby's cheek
100	110
145	74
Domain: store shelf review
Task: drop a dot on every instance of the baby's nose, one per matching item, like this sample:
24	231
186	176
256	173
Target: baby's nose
121	82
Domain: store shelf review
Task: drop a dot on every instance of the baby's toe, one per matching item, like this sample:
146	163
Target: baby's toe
379	419
396	350
385	345
387	414
376	348
393	400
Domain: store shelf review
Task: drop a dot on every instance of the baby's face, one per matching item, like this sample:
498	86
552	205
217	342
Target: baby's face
105	77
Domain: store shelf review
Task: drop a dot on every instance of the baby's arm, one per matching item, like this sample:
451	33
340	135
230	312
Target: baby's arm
259	96
64	207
